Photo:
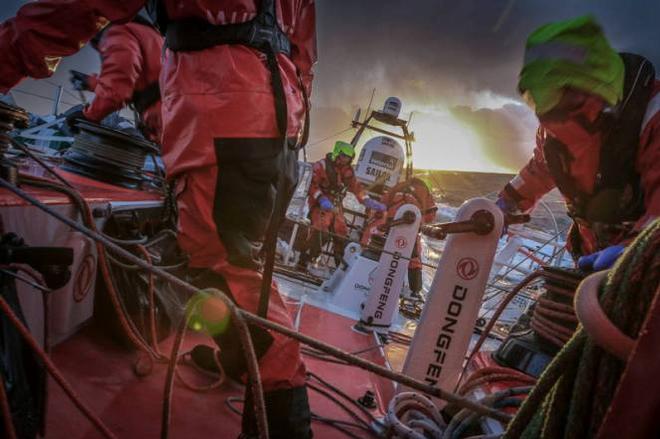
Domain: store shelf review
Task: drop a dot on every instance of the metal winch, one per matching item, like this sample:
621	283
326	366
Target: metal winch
11	118
108	155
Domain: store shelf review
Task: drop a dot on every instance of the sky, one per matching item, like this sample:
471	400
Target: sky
454	64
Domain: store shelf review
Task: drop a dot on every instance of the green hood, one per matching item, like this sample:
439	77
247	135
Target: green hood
342	147
572	53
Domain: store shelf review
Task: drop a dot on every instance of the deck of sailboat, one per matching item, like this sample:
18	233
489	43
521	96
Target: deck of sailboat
102	374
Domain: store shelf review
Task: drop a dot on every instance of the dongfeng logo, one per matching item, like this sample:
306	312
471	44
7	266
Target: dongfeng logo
467	268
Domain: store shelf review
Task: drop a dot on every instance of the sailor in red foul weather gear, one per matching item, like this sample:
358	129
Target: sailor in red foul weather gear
598	142
414	191
130	68
223	125
332	178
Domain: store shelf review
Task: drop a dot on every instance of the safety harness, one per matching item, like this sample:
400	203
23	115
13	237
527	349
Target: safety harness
336	188
264	34
617	200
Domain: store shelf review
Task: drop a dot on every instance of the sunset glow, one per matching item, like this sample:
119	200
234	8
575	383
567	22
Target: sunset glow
445	143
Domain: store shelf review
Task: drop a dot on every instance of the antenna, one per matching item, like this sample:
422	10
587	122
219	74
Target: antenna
363	124
58	98
371	101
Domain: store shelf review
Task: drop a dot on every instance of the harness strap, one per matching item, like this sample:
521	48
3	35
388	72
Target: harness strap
336	188
617	193
261	33
264	34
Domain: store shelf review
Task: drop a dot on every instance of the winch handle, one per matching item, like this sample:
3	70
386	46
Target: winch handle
481	223
510	218
407	218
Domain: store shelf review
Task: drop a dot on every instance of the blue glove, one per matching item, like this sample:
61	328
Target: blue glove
325	203
370	203
507	206
601	260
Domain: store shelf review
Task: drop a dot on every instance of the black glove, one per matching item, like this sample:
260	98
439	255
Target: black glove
73	117
80	81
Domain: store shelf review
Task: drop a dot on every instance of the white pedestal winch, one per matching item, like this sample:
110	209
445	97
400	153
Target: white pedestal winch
383	301
351	283
441	340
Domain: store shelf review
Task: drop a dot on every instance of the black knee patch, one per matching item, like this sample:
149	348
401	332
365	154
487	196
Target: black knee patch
245	194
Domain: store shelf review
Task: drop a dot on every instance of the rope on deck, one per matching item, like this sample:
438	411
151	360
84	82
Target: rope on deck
104	242
240	317
574	393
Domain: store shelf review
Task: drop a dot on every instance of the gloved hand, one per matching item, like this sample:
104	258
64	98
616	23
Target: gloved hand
325	203
506	204
601	260
370	203
74	117
79	81
508	207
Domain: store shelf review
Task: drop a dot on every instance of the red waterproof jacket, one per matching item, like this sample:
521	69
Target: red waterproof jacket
407	192
130	62
227	87
535	180
335	188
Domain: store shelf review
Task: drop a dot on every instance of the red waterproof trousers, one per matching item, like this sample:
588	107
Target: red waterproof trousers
282	365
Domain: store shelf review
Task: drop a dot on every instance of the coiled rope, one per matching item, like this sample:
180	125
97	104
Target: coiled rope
575	391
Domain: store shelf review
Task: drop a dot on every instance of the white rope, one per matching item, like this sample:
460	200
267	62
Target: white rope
414	416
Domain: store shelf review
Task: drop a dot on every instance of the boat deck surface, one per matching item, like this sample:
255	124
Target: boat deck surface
102	374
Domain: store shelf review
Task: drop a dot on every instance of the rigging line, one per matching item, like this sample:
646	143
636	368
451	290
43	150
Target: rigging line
328	137
503	16
17	90
54	84
31	283
242	317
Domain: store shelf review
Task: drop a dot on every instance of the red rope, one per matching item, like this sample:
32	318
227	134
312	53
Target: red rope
560	291
169	381
52	370
545	310
152	302
88	219
10	432
494	371
220	377
510	376
559	307
547	333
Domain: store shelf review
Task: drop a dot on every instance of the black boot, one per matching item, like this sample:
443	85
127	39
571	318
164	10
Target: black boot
232	357
288	414
415	283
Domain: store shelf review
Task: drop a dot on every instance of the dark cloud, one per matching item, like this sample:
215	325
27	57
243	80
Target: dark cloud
434	53
437	51
431	54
